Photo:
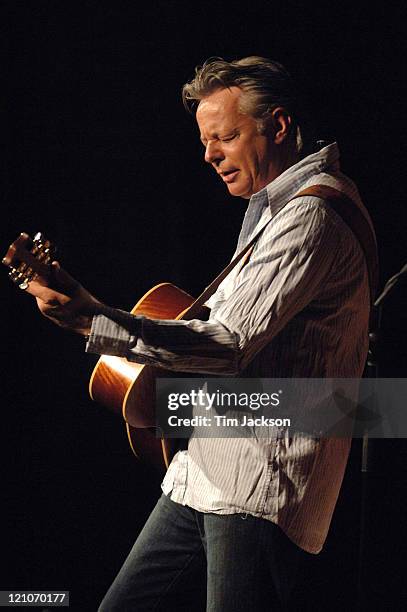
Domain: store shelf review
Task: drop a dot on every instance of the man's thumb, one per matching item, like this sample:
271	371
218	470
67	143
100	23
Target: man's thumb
64	282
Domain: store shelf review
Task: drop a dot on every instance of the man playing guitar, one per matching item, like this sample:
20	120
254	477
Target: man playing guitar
298	307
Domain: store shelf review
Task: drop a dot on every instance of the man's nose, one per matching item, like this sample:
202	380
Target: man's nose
213	153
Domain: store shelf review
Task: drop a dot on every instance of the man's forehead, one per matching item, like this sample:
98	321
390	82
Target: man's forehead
221	100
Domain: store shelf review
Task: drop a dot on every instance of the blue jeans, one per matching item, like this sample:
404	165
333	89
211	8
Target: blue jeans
244	563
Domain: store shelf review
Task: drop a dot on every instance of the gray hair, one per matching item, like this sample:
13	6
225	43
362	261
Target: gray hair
266	84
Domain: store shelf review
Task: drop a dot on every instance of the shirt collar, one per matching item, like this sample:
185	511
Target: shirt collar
287	184
271	198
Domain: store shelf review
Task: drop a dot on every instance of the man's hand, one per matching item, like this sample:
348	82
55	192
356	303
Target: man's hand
67	303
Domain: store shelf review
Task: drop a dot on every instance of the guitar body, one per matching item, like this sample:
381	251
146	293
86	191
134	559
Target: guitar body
129	388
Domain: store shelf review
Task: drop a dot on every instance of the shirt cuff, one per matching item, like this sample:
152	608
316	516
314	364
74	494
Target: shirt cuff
108	338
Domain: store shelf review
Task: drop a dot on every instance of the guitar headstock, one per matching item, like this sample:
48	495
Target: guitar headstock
29	258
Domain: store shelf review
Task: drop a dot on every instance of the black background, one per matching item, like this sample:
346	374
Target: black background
101	157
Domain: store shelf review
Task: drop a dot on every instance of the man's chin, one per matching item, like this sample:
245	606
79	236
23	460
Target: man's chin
239	191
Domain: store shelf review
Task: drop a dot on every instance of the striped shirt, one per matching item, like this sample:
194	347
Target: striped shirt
298	308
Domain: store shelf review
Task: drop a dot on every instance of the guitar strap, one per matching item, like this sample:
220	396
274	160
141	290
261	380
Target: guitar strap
349	213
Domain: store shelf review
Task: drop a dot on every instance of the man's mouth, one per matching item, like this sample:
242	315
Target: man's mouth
229	175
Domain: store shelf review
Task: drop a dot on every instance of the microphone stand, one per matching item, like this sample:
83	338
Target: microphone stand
371	371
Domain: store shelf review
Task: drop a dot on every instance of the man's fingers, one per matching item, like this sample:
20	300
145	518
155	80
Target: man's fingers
39	291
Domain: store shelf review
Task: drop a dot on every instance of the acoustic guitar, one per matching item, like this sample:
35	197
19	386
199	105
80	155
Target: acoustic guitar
126	388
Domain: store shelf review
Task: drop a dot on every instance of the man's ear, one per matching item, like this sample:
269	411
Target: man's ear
279	124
